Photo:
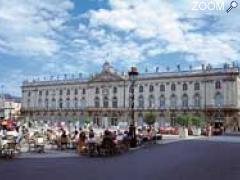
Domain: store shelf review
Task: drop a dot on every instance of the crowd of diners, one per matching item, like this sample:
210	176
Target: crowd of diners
83	140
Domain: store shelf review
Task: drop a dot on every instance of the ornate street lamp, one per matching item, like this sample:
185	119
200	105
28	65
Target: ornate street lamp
132	73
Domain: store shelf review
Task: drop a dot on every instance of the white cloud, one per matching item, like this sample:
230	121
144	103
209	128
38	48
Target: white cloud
162	22
29	27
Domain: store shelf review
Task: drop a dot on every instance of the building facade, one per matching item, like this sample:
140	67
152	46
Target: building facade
213	94
9	109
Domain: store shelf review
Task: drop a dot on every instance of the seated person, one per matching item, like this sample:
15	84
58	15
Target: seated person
91	137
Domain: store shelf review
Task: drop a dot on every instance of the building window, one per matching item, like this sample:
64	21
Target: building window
162	101
141	89
173	101
39	102
219	99
83	91
114	120
68	103
114	90
40	93
197	101
151	88
76	91
114	102
173	87
141	101
185	87
28	103
97	90
53	102
83	103
218	85
173	117
60	103
46	93
75	102
60	92
185	101
162	88
68	92
97	102
151	101
105	102
46	103
197	86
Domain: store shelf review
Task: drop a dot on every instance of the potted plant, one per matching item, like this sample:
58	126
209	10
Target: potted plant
196	122
183	121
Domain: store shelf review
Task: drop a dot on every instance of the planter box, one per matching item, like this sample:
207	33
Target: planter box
196	131
183	132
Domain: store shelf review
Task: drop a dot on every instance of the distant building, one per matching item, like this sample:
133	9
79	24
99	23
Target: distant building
9	108
211	93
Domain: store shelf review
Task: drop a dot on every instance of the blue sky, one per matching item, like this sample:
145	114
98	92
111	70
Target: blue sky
50	37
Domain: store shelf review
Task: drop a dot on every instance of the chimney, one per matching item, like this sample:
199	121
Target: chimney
203	67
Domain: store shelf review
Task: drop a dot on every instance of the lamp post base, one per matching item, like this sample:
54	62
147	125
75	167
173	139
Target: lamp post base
133	138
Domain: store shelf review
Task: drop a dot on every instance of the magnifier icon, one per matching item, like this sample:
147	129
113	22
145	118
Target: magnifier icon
233	4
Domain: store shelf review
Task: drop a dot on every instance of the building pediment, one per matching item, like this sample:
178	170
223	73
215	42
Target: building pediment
106	76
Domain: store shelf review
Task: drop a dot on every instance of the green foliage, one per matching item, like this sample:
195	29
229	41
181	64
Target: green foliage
87	120
196	121
149	118
186	120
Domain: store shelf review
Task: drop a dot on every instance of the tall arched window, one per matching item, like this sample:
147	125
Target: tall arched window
141	89
173	87
197	100
53	102
185	87
218	84
46	103
60	103
197	86
97	90
75	103
68	92
151	88
83	91
162	87
219	99
39	102
185	100
114	102
97	102
162	101
76	91
173	101
151	101
105	102
60	92
115	90
83	103
141	101
68	103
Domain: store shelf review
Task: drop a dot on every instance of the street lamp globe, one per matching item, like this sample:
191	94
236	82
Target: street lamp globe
133	73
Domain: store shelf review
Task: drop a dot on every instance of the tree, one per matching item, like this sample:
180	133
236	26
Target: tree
196	121
184	120
149	118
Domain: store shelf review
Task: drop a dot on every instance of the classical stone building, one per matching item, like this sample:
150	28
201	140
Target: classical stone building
211	93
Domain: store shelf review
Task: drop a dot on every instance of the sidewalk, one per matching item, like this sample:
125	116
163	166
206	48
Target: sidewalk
49	154
167	139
